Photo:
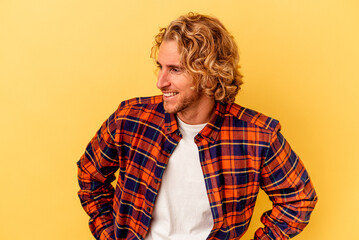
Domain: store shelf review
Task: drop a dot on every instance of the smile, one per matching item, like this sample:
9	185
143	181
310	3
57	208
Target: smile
169	94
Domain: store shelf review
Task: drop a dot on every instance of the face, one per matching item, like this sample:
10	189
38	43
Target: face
176	84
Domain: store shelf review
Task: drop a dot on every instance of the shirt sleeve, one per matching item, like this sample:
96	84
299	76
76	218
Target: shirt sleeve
96	170
286	182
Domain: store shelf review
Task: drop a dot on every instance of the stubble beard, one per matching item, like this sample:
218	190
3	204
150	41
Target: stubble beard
181	105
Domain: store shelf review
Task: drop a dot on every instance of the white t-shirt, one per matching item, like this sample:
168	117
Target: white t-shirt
182	208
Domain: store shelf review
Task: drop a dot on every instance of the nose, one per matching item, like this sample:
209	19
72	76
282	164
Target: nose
162	79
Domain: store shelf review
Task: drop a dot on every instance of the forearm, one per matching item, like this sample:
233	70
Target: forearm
287	219
96	198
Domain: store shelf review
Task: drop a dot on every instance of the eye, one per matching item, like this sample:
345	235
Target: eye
176	70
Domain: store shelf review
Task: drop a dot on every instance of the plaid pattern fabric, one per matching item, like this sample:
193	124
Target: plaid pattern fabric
240	151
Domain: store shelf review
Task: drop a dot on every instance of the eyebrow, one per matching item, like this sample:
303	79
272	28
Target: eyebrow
170	66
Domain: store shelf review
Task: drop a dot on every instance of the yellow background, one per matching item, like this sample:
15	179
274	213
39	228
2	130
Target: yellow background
66	65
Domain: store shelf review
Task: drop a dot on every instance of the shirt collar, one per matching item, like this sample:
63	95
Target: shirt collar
209	132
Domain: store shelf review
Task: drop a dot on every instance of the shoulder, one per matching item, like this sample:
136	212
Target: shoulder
141	101
140	107
252	117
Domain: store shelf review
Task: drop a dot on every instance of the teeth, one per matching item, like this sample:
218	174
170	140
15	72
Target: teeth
169	94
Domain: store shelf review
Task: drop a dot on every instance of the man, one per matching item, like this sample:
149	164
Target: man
191	161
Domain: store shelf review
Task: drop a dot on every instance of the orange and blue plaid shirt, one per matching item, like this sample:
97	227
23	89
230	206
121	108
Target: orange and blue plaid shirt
240	151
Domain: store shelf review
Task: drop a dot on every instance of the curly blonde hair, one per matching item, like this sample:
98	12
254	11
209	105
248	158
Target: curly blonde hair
208	52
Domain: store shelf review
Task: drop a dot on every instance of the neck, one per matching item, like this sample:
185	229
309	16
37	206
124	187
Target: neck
202	114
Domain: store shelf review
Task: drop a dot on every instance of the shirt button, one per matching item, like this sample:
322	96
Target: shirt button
168	151
148	209
156	181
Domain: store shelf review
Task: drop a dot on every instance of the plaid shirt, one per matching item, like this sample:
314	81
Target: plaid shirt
240	151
